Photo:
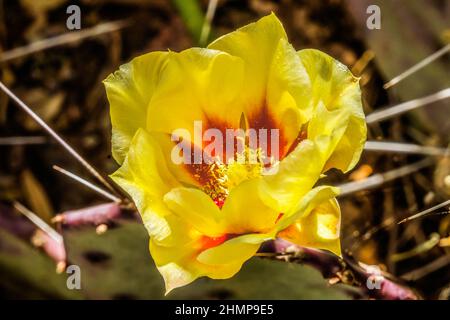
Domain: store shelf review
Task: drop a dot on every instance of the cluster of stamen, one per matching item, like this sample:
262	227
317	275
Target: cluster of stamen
217	177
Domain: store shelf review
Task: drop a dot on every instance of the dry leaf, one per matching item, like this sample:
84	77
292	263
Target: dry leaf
36	196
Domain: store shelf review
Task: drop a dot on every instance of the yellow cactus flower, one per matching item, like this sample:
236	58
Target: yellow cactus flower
207	217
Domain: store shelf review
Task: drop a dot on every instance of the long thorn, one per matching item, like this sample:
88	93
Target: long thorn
61	141
425	212
87	184
206	28
38	222
397	147
381	178
390	112
417	67
68	37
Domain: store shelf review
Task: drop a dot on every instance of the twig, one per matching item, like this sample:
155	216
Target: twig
60	140
421	248
63	39
393	111
417	66
87	184
13	141
427	269
343	270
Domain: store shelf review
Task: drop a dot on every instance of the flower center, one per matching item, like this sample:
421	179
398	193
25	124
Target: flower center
218	178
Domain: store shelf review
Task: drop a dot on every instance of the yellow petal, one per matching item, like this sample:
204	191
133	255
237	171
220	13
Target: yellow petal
197	208
176	275
276	81
179	265
319	229
181	171
297	173
190	254
245	212
306	204
326	128
145	176
334	87
295	176
236	250
192	88
255	43
288	94
129	91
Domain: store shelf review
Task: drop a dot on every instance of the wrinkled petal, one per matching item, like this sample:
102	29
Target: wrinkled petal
176	275
255	44
129	91
180	264
236	250
192	89
145	176
327	129
181	171
245	212
319	229
288	94
296	174
177	264
198	208
334	87
306	204
277	85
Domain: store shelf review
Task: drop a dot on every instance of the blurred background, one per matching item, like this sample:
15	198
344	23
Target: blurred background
58	73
